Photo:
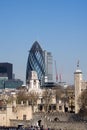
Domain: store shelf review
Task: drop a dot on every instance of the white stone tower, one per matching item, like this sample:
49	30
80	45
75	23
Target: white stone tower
34	84
77	83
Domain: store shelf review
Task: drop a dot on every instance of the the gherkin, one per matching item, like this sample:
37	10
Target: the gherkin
36	61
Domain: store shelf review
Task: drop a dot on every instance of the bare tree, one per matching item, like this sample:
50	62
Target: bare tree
22	96
82	102
32	99
47	97
69	97
30	96
10	99
59	93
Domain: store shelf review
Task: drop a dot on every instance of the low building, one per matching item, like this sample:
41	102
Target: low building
10	84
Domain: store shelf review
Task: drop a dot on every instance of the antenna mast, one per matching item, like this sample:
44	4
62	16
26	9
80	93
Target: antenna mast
78	64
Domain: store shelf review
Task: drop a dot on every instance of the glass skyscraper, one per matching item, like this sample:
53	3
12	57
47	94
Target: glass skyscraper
36	61
48	66
41	62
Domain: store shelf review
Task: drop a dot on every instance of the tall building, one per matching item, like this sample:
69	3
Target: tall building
80	86
6	77
36	61
48	66
41	62
6	70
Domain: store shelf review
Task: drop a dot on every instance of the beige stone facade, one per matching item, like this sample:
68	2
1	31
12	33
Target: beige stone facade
80	86
20	112
78	80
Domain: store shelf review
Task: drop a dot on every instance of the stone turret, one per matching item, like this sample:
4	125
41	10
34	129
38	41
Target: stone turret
34	84
77	83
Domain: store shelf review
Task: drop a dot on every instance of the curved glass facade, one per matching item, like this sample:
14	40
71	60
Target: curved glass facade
36	61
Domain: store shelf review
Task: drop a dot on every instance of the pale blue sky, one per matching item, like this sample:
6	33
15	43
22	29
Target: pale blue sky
60	26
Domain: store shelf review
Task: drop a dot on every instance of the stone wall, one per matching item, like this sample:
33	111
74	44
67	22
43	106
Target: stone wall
67	125
18	113
65	121
53	125
3	116
20	122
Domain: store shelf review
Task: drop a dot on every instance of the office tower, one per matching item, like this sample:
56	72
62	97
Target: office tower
41	62
6	77
6	70
36	61
48	66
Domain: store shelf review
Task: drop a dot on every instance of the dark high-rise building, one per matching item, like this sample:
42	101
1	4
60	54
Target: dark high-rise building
6	77
6	70
41	62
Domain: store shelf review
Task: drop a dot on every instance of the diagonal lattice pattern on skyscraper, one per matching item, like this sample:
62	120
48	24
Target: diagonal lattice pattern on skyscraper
36	61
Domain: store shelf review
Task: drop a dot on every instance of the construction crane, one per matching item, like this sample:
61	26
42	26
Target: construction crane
56	72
